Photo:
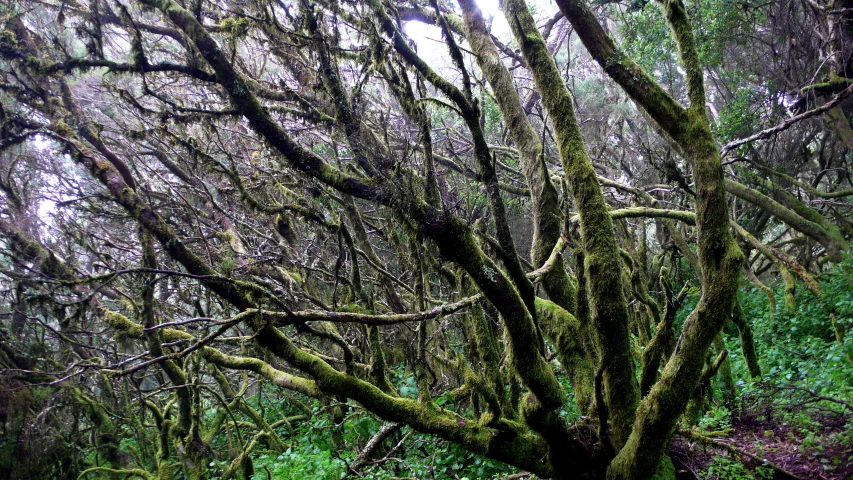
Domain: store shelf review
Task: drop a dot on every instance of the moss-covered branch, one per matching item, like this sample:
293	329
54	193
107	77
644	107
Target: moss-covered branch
566	333
505	444
719	260
833	246
648	94
376	319
682	30
747	344
603	270
781	259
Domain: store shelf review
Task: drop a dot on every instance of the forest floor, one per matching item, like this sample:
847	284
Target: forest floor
812	445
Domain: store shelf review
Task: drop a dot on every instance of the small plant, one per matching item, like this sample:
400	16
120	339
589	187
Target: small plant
717	418
725	468
308	462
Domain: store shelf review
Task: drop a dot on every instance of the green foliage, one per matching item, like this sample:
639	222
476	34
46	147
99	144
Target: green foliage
717	418
309	461
722	27
445	460
800	350
802	346
408	388
320	448
570	411
494	119
740	115
226	265
647	40
725	468
801	354
647	37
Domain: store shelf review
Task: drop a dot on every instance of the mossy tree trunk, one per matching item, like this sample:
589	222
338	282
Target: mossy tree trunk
602	261
718	255
547	216
587	323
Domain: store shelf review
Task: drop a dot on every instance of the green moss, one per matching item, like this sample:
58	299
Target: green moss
789	216
125	328
235	26
63	129
609	308
665	471
564	331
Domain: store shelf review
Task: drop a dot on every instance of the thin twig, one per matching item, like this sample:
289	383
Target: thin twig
788	122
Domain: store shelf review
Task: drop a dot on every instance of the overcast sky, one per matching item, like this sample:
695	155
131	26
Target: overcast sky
428	37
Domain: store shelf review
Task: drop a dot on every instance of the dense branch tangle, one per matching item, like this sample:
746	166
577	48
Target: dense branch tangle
290	189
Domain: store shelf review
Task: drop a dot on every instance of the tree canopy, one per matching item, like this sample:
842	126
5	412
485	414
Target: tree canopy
542	210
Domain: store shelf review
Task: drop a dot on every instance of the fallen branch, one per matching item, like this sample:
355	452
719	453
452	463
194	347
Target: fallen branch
708	441
128	473
375	442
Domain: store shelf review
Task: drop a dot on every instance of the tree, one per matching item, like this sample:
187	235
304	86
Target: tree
289	189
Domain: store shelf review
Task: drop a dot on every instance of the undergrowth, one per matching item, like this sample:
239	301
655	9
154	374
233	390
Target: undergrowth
803	399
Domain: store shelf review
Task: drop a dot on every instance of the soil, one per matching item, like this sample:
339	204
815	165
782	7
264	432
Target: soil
817	446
